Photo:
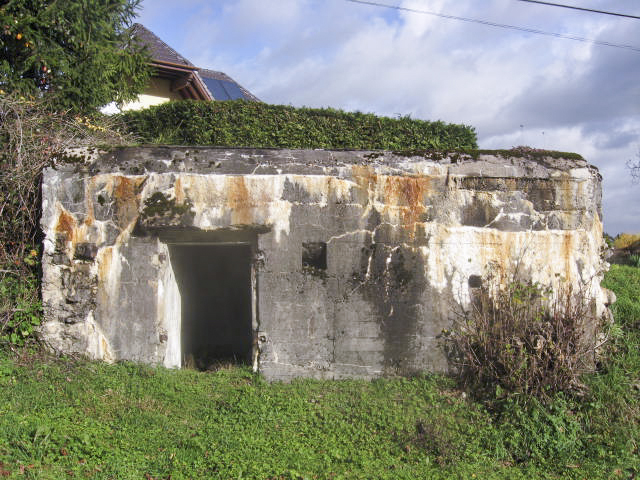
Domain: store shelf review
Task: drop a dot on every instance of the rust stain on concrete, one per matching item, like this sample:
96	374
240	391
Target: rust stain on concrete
127	199
497	253
66	225
238	201
105	261
179	191
366	179
104	266
408	193
88	221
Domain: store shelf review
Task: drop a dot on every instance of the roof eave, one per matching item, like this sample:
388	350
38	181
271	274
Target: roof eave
185	79
161	64
201	88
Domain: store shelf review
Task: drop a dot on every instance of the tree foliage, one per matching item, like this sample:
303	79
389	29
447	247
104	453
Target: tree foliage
79	52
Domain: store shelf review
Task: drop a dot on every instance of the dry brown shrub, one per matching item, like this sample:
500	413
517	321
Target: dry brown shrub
525	339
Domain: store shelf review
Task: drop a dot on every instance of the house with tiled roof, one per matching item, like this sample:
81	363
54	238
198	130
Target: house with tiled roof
174	77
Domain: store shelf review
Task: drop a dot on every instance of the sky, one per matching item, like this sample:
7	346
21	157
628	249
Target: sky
515	87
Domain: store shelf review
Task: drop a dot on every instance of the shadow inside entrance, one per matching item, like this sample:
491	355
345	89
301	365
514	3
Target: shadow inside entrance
215	287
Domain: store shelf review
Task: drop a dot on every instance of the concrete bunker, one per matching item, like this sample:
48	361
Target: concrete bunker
326	264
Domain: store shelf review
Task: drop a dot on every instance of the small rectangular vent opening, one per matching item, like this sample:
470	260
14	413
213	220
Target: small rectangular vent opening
314	255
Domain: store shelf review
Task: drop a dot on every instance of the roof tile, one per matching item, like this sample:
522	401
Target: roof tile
157	48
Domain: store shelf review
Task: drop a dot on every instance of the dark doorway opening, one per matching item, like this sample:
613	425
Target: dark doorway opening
216	290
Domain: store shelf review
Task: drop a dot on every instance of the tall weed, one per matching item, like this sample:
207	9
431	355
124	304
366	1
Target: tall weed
524	339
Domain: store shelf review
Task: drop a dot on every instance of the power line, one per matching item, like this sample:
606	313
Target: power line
572	7
501	25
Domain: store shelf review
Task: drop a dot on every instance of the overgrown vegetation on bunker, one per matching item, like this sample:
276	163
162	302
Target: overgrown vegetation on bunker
240	123
165	211
461	154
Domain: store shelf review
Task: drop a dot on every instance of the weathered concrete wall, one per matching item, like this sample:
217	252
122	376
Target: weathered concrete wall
407	237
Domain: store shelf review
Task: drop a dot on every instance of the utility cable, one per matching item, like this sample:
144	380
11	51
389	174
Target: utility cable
572	7
500	25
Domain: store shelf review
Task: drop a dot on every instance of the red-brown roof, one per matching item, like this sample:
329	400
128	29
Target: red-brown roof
157	48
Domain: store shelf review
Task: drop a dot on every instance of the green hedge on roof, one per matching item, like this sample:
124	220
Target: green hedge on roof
240	123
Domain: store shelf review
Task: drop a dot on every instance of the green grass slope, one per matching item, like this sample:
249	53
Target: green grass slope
77	419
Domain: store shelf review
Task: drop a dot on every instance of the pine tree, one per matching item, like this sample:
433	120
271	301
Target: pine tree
79	53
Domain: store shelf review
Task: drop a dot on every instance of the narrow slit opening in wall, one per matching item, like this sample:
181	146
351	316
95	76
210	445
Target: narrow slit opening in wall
215	285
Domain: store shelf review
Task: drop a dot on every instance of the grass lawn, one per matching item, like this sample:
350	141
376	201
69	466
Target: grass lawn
63	418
